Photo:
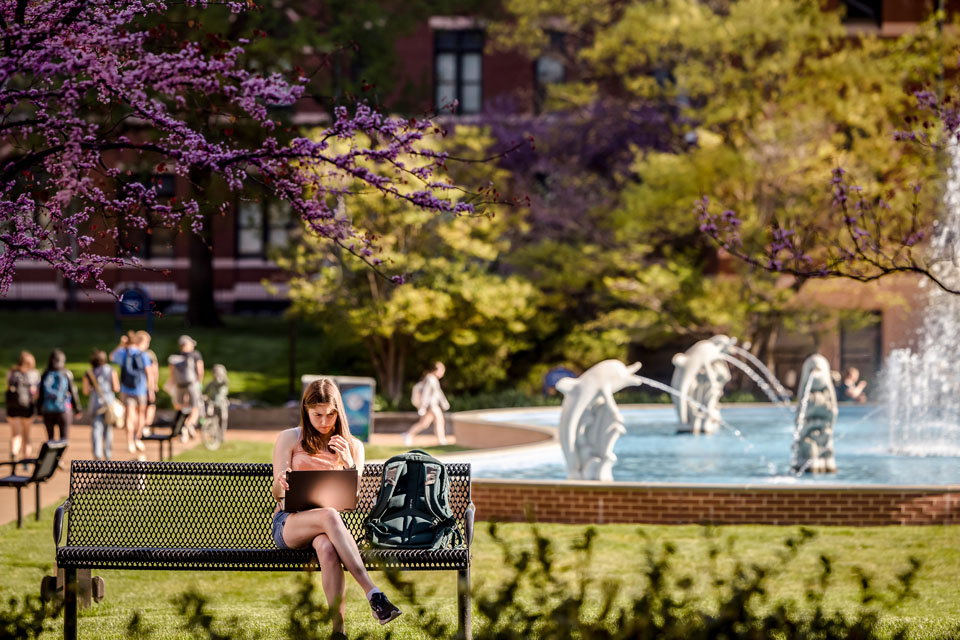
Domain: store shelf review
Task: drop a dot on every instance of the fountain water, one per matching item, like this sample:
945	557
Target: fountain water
760	382
922	387
782	391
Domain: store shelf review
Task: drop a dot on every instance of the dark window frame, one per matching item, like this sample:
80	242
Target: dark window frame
458	42
863	11
167	188
266	247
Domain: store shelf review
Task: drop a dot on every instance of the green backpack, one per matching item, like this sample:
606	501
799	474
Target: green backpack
413	507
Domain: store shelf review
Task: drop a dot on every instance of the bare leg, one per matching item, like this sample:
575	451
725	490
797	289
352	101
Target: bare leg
438	424
26	423
141	421
302	527
16	437
130	419
420	424
332	578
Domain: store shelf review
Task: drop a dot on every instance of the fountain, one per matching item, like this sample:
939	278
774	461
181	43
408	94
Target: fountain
700	375
813	449
922	387
590	421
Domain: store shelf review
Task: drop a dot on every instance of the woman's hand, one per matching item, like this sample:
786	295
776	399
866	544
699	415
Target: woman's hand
339	445
281	482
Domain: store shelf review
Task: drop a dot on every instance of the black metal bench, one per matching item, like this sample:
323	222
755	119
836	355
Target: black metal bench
217	517
44	466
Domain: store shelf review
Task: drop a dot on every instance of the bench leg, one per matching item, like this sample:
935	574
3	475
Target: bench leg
464	625
70	588
19	510
38	501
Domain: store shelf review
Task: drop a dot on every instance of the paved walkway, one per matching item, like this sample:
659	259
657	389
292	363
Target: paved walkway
81	448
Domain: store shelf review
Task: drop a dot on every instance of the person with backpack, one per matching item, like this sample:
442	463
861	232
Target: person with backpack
23	382
100	384
58	399
153	374
135	374
428	398
186	372
323	441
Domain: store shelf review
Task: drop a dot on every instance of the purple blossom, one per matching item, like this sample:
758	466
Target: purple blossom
72	75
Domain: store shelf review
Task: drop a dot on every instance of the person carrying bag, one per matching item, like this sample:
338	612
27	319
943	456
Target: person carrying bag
106	411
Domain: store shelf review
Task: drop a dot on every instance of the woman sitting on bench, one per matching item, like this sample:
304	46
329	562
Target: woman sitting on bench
323	441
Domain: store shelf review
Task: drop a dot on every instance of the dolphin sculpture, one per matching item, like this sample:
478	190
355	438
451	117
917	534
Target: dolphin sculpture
590	420
700	375
813	449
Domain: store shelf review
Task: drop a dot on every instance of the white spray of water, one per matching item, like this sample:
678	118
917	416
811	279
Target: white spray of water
760	382
783	392
922	387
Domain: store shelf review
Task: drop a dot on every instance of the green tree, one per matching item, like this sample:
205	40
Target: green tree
774	94
454	307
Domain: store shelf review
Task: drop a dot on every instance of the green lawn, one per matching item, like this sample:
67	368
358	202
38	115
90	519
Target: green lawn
253	349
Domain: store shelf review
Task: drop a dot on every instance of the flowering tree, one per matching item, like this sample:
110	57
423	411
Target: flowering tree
871	238
94	91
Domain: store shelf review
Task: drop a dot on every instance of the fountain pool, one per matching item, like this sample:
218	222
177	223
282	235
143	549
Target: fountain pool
652	451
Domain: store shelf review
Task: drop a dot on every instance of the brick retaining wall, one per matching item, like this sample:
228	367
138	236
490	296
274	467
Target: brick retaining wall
586	502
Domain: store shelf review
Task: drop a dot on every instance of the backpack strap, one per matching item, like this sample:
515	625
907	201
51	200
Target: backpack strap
386	494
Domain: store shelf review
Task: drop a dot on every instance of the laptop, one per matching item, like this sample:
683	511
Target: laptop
335	488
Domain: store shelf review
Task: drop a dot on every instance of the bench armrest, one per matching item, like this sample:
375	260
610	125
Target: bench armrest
468	523
14	463
58	522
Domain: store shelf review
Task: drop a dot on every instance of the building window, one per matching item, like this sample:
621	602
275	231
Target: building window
861	345
458	65
157	240
263	227
863	11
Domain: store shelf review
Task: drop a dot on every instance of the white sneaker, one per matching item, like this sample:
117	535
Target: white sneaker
140	446
131	447
407	440
442	442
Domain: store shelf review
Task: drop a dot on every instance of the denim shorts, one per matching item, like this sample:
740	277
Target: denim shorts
279	519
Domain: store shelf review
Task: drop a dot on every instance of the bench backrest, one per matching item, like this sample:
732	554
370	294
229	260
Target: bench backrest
199	504
48	459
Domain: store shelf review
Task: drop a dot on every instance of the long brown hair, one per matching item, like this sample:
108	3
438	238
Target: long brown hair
321	391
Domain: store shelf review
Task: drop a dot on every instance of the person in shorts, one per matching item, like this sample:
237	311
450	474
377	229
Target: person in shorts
135	374
23	384
186	372
58	399
151	411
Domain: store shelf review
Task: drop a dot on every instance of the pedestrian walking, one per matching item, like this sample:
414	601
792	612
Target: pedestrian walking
134	381
58	399
150	413
23	385
430	401
100	384
186	372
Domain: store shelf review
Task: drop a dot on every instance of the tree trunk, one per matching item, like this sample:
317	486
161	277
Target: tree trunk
201	308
